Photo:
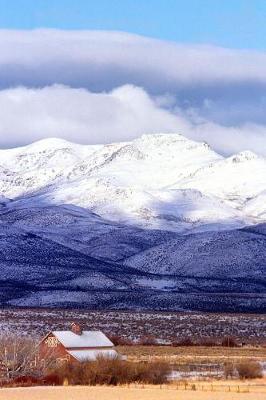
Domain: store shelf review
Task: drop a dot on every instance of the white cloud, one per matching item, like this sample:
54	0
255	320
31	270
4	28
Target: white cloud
206	92
78	57
228	140
28	114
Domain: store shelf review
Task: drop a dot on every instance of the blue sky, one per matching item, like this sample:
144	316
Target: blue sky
229	23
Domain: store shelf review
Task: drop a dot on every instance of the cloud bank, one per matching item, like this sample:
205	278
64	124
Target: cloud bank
93	87
78	115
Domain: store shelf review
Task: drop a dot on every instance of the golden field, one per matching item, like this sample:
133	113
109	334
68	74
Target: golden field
189	389
132	393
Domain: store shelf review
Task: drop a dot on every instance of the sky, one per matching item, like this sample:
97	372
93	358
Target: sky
96	72
229	23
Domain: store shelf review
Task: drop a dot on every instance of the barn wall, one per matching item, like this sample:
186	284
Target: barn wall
47	352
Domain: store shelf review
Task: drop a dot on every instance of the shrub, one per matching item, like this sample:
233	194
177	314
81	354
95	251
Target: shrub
229	342
112	371
249	370
148	341
120	341
184	342
229	370
26	380
51	380
154	373
208	342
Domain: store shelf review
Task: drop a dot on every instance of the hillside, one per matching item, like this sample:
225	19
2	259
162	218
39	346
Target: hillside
161	222
66	256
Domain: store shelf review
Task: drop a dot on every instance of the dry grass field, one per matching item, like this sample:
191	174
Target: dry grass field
193	354
125	393
195	360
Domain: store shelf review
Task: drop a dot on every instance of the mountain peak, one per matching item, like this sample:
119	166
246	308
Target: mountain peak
50	143
161	137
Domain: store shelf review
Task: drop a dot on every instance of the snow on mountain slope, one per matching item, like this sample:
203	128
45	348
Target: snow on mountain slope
177	210
256	207
155	161
220	255
33	167
46	152
235	179
161	181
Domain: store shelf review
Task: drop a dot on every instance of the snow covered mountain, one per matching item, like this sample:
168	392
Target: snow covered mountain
162	181
161	222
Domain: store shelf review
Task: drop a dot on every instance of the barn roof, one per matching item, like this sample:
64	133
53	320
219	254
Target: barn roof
70	339
91	355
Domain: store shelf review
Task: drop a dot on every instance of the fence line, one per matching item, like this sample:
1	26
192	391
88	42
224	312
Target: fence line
237	388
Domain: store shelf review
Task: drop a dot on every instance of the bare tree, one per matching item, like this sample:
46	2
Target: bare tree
17	356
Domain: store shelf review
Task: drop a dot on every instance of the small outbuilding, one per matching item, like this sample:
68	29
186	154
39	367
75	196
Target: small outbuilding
75	345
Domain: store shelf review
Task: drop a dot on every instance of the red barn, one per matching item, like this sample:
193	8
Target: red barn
75	345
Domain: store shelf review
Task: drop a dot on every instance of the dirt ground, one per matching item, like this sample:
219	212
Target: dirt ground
124	393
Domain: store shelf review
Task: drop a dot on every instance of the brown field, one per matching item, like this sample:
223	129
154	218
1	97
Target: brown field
190	354
133	393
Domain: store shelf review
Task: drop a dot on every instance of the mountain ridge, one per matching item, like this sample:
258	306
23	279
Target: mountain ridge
140	182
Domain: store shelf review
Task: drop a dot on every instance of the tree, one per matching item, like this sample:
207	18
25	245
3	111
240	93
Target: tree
19	356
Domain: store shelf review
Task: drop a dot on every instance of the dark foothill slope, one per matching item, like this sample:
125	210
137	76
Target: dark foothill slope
66	256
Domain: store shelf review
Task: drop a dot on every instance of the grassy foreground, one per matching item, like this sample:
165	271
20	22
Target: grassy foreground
123	393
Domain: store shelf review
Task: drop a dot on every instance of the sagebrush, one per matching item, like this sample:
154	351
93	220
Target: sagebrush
114	371
249	370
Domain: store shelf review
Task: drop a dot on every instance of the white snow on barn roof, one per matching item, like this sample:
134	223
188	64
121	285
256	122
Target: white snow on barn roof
86	339
91	355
